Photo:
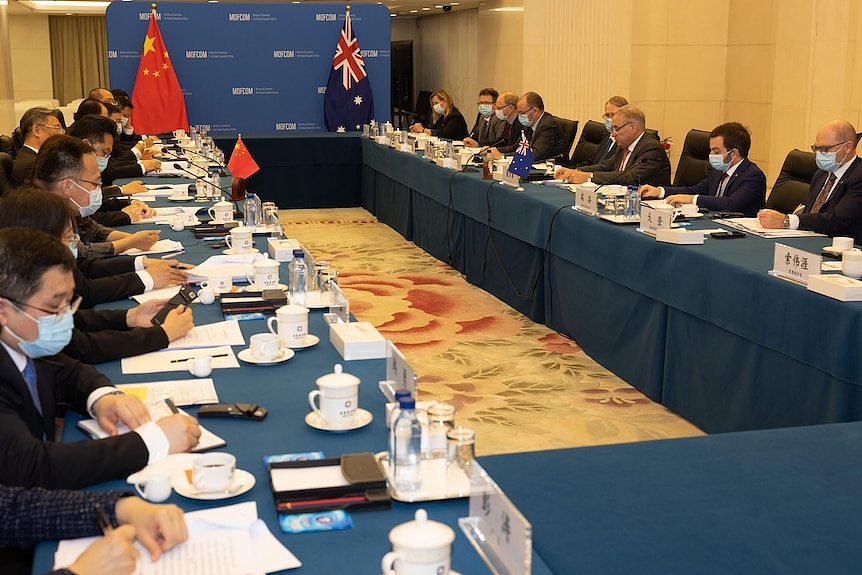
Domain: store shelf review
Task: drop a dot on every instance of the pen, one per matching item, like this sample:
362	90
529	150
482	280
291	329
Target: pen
188	358
170	403
321	502
102	519
172	254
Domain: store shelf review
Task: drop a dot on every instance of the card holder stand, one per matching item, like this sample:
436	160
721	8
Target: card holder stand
365	487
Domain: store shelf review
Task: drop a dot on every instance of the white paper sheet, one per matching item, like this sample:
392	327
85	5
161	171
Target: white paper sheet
208	439
298	478
165	215
160	361
160	247
236	266
165	190
752	226
209	335
222	541
198	391
164	293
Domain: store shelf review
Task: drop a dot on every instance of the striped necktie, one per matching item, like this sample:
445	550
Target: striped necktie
824	193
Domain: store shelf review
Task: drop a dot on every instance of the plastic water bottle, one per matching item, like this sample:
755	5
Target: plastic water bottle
250	211
407	448
216	189
298	276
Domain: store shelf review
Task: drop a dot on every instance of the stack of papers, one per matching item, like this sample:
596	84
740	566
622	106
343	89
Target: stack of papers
237	266
160	247
181	391
228	540
175	360
164	293
752	226
210	335
165	215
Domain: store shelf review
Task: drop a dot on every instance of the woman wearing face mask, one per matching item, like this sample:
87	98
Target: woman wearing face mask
446	121
99	335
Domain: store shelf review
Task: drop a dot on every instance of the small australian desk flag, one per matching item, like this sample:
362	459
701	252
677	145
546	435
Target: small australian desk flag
523	160
348	102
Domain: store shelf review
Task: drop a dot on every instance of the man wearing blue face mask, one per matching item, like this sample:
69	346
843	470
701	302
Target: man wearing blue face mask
542	129
488	129
834	203
36	307
735	184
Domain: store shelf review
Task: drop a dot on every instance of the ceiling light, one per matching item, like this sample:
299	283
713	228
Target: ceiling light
510	9
393	14
414	11
425	9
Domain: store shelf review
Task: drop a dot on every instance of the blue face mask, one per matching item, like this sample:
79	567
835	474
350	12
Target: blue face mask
500	114
103	163
55	333
717	162
524	119
608	123
486	110
95	201
827	161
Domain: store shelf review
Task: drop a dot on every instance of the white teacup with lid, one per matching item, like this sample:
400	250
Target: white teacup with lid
338	394
419	547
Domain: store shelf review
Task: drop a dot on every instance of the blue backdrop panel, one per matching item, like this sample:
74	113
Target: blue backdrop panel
252	68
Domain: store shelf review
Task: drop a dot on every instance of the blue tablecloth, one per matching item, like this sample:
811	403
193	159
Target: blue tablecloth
283	390
778	501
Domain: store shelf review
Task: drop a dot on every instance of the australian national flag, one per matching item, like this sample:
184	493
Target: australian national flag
348	102
523	160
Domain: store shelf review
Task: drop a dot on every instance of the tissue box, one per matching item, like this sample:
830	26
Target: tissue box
282	250
836	286
357	340
679	236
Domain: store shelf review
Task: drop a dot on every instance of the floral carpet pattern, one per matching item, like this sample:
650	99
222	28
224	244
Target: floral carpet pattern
520	385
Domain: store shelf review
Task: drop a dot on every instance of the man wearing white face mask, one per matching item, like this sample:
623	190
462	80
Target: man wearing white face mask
834	203
488	129
735	184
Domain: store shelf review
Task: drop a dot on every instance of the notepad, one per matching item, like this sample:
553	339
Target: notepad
208	439
210	335
181	391
160	247
170	360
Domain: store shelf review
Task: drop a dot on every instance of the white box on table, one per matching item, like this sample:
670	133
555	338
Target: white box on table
836	286
679	236
282	250
357	340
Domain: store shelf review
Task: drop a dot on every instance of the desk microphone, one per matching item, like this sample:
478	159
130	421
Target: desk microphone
621	174
178	149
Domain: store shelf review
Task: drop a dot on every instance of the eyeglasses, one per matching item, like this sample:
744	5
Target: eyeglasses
480	103
824	149
527	111
72	307
91	182
618	128
100	153
59	128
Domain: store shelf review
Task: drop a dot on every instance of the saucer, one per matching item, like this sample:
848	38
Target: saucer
283	355
180	198
242	482
232	252
309	341
360	419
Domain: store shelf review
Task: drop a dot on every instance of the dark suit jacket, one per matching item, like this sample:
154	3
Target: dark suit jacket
842	214
647	164
105	267
22	169
101	290
745	191
451	127
102	335
546	139
514	136
27	459
121	169
487	131
606	148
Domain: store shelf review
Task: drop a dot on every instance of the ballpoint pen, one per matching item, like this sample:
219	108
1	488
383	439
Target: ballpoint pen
102	519
170	403
188	358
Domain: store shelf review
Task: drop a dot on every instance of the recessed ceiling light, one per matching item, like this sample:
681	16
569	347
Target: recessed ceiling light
425	9
414	11
510	9
393	14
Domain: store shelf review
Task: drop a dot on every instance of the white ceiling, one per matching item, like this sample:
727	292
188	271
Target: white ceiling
409	8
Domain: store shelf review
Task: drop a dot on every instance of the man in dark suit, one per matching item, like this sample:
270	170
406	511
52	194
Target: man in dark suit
507	113
37	125
28	516
637	160
541	128
36	308
488	128
734	184
834	203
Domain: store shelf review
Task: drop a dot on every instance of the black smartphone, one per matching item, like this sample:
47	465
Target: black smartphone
727	235
233	411
185	296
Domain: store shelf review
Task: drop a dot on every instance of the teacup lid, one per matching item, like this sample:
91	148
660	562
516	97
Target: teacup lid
241	230
421	533
224	203
588	185
337	379
854	255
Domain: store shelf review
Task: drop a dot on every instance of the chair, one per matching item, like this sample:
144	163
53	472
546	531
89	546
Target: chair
652	134
694	160
6	162
17	140
791	186
570	130
7	146
592	134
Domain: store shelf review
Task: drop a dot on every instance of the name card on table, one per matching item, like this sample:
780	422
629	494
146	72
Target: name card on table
653	219
399	374
511	179
586	200
407	148
497	530
382	140
794	265
339	307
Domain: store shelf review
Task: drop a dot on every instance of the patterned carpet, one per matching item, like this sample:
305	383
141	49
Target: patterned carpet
521	385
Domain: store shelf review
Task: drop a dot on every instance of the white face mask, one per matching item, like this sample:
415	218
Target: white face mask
439	109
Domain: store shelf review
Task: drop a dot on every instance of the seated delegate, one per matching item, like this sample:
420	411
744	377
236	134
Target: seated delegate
446	120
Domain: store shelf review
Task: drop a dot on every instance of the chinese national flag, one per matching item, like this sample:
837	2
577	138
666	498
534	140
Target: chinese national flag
159	104
241	164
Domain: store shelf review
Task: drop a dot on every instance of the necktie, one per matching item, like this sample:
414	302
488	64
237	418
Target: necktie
625	157
507	132
29	374
721	183
824	193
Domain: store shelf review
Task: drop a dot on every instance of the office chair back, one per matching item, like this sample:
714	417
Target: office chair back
694	160
570	130
592	134
6	162
423	108
792	184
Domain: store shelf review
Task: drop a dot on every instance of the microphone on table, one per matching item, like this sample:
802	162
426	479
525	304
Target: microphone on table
621	174
178	149
494	145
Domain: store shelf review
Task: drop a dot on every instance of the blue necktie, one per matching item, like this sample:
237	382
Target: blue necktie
29	374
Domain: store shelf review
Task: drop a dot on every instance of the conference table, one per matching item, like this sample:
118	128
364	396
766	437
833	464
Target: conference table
283	390
704	329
